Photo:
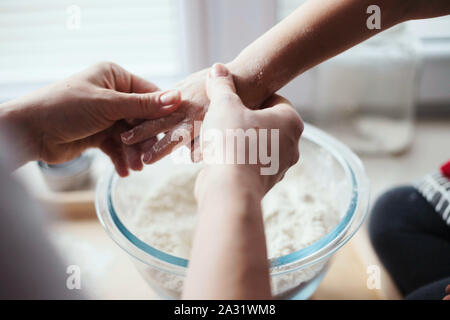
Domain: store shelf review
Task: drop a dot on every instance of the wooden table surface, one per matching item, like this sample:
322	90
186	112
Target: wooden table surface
107	272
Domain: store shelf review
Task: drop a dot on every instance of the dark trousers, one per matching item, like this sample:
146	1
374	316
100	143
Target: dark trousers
413	243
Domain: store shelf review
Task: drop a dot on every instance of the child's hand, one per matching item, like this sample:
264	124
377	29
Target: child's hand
192	108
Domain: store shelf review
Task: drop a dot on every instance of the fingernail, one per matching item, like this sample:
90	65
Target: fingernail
126	136
219	70
147	157
169	97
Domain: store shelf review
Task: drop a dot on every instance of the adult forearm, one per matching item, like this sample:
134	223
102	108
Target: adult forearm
228	259
315	32
17	132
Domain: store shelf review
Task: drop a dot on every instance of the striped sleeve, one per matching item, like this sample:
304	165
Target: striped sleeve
435	188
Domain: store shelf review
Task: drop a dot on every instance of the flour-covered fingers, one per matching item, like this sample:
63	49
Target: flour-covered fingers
178	136
151	128
147	145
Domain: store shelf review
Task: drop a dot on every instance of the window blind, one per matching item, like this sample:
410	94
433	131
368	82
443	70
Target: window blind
45	40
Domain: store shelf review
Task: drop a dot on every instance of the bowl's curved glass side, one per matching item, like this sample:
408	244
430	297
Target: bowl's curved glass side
307	261
288	283
105	216
353	218
296	290
307	255
363	185
167	285
304	255
300	278
138	242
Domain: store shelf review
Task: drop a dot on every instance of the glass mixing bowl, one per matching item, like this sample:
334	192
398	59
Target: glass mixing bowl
293	276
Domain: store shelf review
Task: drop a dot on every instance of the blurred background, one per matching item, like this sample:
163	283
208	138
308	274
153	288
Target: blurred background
379	84
388	98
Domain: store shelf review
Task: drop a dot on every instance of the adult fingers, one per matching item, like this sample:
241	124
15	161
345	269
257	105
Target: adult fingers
137	84
140	85
134	122
152	105
150	128
280	109
125	81
220	88
116	155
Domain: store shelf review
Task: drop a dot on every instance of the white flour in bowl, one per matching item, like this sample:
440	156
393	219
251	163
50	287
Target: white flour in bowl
296	214
298	211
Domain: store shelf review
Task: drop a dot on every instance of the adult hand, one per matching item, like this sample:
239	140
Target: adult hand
87	110
230	230
273	130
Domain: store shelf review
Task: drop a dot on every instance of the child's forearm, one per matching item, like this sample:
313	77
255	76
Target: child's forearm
316	31
228	258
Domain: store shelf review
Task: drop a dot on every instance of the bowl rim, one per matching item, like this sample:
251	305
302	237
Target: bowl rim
311	254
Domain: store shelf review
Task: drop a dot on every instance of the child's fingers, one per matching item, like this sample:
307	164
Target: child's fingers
159	150
150	128
176	137
147	145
